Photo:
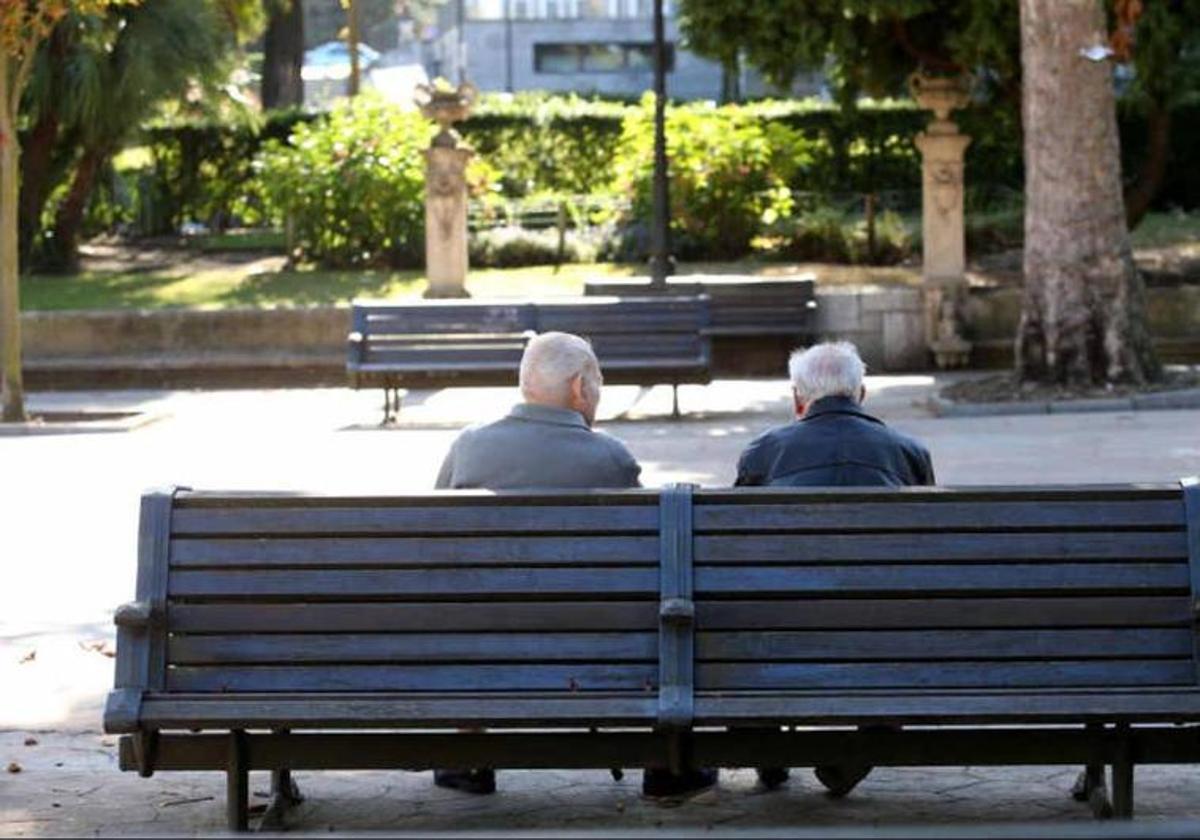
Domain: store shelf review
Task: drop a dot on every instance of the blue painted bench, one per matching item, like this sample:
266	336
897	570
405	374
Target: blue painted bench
429	344
640	341
651	629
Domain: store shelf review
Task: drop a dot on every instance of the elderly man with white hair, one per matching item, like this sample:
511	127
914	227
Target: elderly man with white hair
832	443
547	442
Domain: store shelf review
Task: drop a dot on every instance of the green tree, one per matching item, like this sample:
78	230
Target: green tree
118	69
24	25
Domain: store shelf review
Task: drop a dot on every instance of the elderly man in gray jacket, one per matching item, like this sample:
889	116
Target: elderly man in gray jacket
547	442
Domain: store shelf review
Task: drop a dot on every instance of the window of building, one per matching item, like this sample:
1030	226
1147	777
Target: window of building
597	58
562	9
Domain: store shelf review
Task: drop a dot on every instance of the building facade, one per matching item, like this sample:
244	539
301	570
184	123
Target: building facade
582	46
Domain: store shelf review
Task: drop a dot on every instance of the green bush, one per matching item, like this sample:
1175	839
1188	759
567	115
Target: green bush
352	185
825	234
729	175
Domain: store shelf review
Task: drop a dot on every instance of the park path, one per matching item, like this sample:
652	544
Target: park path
69	506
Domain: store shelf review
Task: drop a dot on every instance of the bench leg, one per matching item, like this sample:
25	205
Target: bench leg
237	783
285	794
387	406
675	415
1122	775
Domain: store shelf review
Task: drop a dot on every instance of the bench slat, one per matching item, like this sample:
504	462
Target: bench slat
416	551
1044	674
913	516
418	647
472	677
382	709
414	521
843	707
345	618
945	644
939	547
481	584
834	613
778	582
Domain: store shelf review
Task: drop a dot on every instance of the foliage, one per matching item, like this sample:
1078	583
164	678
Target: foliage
352	185
825	234
729	174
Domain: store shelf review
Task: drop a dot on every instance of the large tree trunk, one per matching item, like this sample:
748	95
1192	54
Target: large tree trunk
283	55
13	409
68	220
37	155
1083	315
1154	169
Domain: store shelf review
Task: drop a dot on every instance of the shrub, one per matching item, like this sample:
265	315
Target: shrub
352	185
729	175
825	234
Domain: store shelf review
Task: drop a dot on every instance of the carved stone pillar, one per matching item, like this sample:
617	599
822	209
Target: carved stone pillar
446	190
943	241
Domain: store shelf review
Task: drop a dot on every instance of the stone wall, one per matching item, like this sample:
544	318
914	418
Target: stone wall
257	347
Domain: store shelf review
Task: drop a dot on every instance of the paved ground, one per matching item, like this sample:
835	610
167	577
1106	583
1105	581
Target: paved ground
54	671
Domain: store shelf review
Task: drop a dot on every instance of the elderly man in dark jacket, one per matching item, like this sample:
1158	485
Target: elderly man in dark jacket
832	443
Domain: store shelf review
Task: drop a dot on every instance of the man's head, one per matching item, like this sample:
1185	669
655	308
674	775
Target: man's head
560	370
826	370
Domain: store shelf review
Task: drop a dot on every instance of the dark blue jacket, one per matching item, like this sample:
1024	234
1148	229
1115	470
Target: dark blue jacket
836	444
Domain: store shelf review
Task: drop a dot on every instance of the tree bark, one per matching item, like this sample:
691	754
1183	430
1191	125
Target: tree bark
283	55
1141	194
731	79
1083	314
37	152
68	220
13	409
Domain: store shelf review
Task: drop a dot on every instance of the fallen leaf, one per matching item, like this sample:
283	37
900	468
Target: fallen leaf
31	742
13	767
29	657
101	646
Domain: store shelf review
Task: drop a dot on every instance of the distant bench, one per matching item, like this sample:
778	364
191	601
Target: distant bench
630	628
740	306
643	341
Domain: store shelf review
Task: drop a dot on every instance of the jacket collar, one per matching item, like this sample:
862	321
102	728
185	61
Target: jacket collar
535	413
837	405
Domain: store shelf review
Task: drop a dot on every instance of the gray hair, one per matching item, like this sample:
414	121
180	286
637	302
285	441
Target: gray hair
551	361
832	368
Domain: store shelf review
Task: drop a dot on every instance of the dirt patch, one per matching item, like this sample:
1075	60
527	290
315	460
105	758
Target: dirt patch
1005	388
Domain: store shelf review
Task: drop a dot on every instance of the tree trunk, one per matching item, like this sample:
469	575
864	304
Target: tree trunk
731	79
1154	169
68	220
354	84
283	55
37	154
1083	314
13	410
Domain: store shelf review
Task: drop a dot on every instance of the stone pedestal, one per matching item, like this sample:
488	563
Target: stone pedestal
446	221
943	239
446	188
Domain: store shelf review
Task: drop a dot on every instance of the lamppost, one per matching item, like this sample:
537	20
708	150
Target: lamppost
662	265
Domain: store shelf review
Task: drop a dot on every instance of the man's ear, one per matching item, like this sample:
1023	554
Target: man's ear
862	394
798	404
577	386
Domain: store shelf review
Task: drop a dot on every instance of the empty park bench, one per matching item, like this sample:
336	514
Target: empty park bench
436	344
742	307
1002	626
642	340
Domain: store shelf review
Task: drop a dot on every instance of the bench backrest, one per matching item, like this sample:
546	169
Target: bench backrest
460	334
645	331
757	307
935	590
668	598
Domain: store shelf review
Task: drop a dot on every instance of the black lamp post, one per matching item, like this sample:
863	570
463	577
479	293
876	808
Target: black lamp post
661	262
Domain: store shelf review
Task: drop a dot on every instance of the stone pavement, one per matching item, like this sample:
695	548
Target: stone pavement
70	511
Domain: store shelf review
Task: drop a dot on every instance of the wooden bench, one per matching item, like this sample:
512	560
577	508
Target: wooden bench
436	344
651	629
740	306
640	341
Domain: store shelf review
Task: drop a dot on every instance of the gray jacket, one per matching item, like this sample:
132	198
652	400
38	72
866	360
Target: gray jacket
537	447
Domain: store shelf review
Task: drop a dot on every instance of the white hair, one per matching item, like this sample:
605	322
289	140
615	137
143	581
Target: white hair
832	368
551	361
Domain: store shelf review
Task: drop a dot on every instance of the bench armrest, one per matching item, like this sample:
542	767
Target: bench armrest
136	615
